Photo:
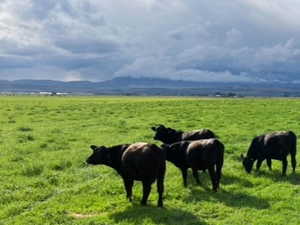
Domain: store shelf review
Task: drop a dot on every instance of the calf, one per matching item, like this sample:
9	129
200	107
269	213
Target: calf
198	155
276	145
168	135
140	161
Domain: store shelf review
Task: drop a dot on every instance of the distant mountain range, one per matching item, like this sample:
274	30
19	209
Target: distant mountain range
150	86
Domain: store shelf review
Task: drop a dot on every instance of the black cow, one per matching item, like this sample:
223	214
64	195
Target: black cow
168	135
275	145
198	155
140	161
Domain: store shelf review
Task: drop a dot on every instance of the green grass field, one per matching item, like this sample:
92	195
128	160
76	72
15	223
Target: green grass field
44	142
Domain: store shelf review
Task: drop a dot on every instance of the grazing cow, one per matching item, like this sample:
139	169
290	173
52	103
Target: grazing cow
275	145
140	161
198	155
168	135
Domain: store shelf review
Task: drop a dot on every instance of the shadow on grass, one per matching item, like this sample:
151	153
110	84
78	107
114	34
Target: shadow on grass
275	175
229	179
232	199
137	214
293	178
225	180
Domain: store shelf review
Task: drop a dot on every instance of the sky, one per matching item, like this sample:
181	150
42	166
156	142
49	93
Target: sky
224	40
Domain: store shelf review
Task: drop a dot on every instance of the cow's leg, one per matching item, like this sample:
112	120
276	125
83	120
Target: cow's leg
128	182
160	185
219	172
184	175
293	152
213	178
146	191
284	166
160	190
196	176
269	163
258	164
293	160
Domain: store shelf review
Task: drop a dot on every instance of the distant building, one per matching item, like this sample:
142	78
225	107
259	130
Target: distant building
52	93
45	93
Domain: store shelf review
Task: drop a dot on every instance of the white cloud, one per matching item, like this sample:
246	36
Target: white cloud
239	40
72	76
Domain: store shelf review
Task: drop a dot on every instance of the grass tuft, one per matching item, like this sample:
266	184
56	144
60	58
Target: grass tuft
32	170
25	129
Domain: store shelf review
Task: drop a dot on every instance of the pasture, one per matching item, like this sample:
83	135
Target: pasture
44	142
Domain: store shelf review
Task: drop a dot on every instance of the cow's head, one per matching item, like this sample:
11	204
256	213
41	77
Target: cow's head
164	134
247	163
160	131
100	155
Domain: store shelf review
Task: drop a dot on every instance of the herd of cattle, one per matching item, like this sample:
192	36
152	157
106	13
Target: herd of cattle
198	150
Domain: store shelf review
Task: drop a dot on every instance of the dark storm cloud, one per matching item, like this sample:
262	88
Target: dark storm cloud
239	40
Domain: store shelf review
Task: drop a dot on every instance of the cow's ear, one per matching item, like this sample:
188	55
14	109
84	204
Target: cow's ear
93	147
242	157
153	128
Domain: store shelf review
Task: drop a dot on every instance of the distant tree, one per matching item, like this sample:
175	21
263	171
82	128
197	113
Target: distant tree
231	94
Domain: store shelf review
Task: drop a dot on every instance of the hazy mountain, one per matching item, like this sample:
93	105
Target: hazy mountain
151	86
119	83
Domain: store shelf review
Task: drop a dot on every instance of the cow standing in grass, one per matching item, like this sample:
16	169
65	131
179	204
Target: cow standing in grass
277	145
140	161
168	135
198	155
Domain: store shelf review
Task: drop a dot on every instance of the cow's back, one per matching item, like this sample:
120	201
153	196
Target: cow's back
205	152
198	134
280	143
142	160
